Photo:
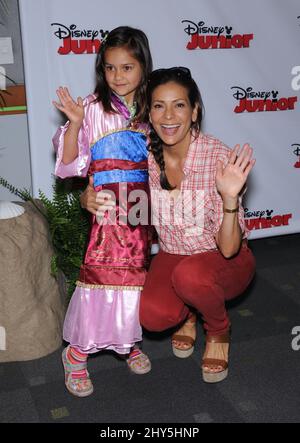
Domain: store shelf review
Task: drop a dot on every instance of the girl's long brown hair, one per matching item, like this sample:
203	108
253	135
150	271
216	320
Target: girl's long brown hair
135	41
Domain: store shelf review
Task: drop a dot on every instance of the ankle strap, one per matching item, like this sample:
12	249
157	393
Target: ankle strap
223	338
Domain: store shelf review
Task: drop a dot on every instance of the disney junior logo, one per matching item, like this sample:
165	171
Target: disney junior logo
265	219
251	101
78	41
203	36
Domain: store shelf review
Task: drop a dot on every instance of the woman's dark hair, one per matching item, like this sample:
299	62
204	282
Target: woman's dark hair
182	76
136	42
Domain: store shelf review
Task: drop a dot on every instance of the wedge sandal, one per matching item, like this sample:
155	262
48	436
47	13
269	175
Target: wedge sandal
184	339
215	377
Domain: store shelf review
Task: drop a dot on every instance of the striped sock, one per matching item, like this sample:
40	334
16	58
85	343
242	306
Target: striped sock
75	357
134	352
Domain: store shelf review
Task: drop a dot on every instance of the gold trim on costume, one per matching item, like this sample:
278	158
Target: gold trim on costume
129	288
101	255
105	267
117	130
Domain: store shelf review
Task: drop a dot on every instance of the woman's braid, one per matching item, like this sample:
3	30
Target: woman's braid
156	148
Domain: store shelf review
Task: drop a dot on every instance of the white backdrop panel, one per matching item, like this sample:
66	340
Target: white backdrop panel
265	66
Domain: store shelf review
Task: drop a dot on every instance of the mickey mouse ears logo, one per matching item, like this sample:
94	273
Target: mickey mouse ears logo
207	36
78	41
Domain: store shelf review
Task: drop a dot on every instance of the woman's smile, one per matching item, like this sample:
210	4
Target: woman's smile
170	130
171	114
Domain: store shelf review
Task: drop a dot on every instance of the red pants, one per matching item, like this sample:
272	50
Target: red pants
202	281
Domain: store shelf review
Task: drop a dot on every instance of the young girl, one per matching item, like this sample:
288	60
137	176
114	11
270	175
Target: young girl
105	138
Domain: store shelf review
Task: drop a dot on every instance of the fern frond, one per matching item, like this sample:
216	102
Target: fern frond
23	194
68	226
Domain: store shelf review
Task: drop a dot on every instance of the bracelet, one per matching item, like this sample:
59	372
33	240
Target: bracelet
231	211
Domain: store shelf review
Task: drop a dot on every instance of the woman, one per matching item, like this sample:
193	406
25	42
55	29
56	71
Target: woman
196	184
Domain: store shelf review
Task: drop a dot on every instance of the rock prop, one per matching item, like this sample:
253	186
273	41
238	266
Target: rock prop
10	210
31	302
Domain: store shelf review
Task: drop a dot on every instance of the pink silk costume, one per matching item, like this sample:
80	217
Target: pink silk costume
103	312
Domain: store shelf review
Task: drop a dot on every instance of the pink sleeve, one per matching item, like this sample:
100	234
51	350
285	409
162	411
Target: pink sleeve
80	165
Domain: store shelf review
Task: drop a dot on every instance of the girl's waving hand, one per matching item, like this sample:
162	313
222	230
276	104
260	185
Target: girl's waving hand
73	110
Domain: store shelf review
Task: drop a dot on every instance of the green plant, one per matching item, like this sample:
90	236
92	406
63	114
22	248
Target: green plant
68	226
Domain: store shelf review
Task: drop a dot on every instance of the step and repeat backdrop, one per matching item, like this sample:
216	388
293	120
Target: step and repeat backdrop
245	57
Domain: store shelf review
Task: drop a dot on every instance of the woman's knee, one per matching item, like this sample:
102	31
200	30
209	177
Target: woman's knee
155	317
149	314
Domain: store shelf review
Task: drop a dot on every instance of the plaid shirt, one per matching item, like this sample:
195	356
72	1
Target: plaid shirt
187	220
